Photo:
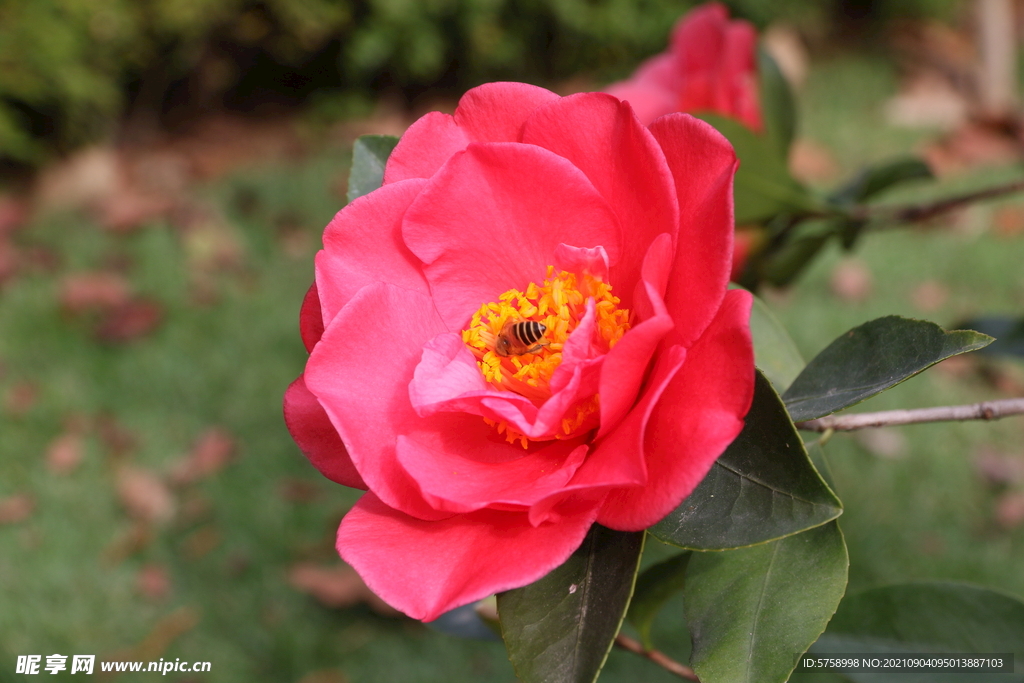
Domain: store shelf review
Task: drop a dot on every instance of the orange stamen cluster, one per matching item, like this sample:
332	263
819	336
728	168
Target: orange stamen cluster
560	302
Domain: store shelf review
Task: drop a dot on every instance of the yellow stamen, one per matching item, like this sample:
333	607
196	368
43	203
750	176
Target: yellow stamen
560	304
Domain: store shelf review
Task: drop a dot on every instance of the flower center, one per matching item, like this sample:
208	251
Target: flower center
527	363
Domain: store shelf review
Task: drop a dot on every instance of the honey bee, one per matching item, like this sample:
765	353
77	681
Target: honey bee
520	336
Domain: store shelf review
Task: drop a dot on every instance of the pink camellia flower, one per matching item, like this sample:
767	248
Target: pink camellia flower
484	471
710	66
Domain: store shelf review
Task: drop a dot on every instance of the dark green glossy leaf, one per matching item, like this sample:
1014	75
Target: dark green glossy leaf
876	179
928	617
777	104
560	629
653	588
872	181
762	487
752	610
784	263
1008	332
369	155
871	358
763	186
774	351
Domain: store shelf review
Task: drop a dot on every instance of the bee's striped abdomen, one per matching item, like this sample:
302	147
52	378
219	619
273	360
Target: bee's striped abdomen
528	332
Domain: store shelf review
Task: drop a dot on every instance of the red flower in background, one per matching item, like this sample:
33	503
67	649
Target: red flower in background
710	66
484	472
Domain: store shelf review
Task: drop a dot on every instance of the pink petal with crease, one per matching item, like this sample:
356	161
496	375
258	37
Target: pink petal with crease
427	568
363	245
364	387
493	112
623	161
491	219
699	414
316	436
703	164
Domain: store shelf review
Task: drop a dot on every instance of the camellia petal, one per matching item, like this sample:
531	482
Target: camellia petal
428	568
703	163
492	218
625	366
363	384
622	160
460	481
316	436
363	245
311	320
653	91
710	66
699	414
493	112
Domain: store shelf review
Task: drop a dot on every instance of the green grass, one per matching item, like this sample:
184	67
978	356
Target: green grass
226	362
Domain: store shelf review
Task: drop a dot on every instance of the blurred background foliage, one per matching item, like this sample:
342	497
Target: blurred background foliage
70	69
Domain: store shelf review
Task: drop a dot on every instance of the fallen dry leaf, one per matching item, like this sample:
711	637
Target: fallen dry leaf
9	260
971	145
116	438
201	542
784	43
956	367
93	291
1008	221
851	280
211	453
13	214
81	180
130	209
324	676
812	163
998	467
16	508
335	586
885	442
144	495
929	296
928	100
211	244
136	318
65	453
153	582
20	398
299	490
128	542
162	636
1010	509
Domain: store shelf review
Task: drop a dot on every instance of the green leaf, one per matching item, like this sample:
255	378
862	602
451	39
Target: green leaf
561	627
871	358
872	181
653	588
763	487
927	617
1008	333
777	104
752	610
876	179
763	186
369	155
807	239
774	351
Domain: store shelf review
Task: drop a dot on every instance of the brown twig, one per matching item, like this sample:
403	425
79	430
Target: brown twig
913	213
659	658
988	410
